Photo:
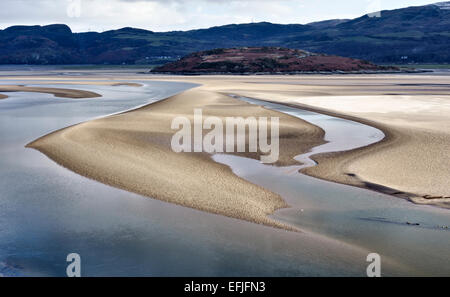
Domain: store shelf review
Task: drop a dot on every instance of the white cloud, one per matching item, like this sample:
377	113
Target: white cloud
164	15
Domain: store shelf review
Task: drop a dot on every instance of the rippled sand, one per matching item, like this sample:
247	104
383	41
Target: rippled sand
412	162
132	150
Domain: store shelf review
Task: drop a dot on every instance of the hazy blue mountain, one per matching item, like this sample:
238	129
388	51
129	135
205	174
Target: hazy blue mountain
413	34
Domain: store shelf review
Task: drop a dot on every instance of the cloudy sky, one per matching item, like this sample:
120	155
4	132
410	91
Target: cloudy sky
166	15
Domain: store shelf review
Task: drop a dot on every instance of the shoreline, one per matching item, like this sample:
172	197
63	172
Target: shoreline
57	92
69	145
337	72
417	175
95	202
63	92
220	191
391	137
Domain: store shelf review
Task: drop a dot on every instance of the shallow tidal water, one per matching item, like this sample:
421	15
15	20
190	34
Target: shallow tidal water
384	224
47	212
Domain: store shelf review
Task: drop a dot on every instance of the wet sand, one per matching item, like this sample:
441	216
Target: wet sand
412	162
61	93
132	151
111	146
146	236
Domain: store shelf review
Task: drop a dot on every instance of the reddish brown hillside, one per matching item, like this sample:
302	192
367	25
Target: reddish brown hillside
265	60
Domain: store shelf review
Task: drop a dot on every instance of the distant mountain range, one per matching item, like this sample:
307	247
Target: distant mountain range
409	35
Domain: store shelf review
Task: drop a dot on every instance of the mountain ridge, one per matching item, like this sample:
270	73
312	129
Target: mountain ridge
417	34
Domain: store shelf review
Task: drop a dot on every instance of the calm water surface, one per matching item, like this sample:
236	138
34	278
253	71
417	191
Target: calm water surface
47	212
361	217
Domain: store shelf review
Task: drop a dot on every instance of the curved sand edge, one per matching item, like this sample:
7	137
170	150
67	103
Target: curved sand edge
57	92
336	166
413	108
339	167
63	93
132	151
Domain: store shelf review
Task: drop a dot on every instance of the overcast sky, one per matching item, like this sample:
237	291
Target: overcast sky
166	15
